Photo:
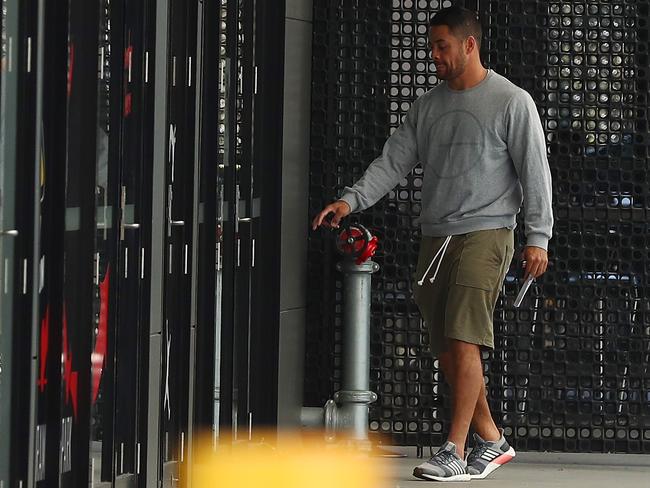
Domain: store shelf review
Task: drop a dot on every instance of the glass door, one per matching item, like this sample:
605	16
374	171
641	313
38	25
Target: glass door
132	323
8	225
52	223
178	242
102	388
120	338
210	223
82	269
19	146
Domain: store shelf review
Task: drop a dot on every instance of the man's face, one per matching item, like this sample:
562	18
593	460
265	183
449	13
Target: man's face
448	52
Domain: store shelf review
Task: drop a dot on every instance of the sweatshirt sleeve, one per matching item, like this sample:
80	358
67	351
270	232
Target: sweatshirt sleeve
399	156
527	148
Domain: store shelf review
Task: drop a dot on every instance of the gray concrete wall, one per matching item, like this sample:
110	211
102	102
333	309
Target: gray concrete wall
295	191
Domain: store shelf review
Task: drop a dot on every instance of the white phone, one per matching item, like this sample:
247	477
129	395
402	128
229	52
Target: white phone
523	290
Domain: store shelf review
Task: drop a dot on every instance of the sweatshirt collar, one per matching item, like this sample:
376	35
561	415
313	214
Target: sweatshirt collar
475	87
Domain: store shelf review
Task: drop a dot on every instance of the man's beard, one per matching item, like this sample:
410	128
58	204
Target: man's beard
451	73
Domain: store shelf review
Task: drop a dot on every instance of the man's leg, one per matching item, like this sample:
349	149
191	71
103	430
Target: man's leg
466	387
482	420
492	450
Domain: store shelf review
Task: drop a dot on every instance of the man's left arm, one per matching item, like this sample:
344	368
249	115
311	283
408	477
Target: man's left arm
527	148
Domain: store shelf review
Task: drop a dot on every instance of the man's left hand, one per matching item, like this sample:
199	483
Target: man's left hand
536	260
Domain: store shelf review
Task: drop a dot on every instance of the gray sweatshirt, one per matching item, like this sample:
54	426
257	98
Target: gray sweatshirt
483	153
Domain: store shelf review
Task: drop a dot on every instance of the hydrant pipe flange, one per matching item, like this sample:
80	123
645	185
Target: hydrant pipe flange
355	396
350	267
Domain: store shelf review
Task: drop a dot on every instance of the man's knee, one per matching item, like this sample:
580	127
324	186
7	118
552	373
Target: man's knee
456	355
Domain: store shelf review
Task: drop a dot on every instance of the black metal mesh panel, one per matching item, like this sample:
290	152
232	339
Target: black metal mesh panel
350	117
571	368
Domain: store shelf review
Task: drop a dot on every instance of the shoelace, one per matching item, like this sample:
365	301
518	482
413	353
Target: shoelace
441	253
477	452
442	457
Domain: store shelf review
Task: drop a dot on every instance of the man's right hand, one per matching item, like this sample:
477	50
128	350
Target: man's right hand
339	208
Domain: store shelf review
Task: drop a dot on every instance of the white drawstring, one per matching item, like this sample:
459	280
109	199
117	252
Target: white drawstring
441	253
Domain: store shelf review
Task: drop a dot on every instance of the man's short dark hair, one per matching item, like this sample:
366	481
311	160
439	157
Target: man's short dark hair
461	21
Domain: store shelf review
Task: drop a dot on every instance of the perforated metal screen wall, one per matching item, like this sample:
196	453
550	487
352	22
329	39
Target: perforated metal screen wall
571	368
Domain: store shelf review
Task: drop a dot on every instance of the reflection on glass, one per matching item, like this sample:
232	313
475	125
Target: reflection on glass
221	161
8	92
101	388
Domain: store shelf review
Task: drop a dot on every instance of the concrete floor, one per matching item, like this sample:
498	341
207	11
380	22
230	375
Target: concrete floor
544	470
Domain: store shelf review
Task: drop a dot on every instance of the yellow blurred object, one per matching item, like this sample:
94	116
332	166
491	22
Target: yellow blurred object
300	463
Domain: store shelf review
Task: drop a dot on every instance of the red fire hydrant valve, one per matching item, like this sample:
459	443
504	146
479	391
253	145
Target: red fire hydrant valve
356	242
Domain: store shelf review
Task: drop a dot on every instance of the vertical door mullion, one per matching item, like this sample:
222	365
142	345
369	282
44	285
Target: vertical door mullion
227	363
159	76
208	226
244	181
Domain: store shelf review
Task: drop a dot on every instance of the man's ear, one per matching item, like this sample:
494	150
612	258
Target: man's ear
470	44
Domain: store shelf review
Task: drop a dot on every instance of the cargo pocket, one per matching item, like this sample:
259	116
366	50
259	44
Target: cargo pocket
482	259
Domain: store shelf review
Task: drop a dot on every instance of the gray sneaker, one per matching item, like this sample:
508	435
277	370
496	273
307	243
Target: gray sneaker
445	465
488	456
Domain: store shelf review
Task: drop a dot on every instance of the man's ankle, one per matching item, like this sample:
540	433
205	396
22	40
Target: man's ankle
460	450
489	435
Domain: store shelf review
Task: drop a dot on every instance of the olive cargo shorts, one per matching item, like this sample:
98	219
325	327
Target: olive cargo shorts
459	304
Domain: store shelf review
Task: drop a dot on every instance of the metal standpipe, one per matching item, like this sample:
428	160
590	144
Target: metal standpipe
347	413
355	396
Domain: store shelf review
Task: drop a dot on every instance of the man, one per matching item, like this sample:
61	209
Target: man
481	145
